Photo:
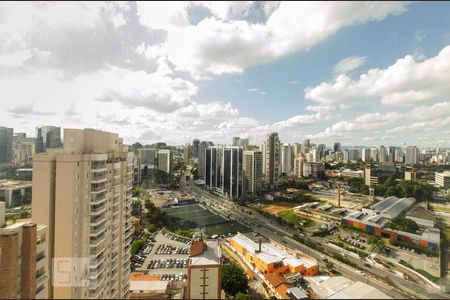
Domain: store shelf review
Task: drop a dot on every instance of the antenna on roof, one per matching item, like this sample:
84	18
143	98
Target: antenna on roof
96	122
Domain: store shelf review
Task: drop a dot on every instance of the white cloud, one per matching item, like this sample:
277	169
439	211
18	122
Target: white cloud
349	63
293	82
218	45
405	83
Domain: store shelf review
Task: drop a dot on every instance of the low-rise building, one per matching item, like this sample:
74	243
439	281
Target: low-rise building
352	173
339	287
313	169
15	193
375	220
268	258
442	179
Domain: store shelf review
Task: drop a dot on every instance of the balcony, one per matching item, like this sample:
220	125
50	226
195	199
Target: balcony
40	277
98	189
98	220
95	243
97	211
40	292
97	231
98	199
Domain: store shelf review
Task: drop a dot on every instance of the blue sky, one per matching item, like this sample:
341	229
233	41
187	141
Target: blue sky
367	73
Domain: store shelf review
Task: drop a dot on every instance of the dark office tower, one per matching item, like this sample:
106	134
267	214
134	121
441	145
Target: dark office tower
321	148
337	147
202	156
223	170
52	137
195	146
236	141
6	145
39	143
273	159
307	143
213	162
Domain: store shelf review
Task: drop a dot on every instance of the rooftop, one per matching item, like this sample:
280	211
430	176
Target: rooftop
210	256
271	253
392	206
10	184
339	287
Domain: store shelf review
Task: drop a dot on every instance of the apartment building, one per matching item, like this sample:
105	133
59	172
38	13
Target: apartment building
272	159
23	261
252	172
82	193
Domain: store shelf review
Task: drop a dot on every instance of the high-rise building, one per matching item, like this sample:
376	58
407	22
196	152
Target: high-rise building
298	165
315	155
391	154
6	145
252	172
23	149
23	261
313	169
245	143
307	143
236	141
365	154
223	170
374	154
165	161
272	159
39	141
83	195
353	154
202	156
286	162
321	148
187	151
195	146
204	270
262	148
51	136
412	155
383	154
337	147
399	155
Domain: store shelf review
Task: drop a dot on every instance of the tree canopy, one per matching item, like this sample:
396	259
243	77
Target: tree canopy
234	280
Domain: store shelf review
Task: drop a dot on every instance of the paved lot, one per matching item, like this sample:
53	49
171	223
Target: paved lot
161	239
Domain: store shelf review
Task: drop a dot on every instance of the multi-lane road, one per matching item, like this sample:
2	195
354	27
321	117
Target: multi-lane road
400	287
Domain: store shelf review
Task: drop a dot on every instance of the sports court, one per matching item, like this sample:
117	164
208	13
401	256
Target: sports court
197	216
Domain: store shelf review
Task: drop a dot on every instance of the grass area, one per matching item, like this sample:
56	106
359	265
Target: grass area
290	217
224	228
440	207
185	233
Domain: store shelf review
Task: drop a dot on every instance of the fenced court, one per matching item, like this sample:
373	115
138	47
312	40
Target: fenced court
197	216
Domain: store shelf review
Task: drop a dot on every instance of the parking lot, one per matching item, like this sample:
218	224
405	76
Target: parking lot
168	257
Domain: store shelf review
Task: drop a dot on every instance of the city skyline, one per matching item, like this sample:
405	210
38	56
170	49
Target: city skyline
362	74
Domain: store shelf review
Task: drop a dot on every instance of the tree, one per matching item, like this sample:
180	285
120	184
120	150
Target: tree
152	228
403	224
136	246
240	295
378	244
329	265
234	280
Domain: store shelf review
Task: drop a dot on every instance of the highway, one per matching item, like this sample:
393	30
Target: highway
401	288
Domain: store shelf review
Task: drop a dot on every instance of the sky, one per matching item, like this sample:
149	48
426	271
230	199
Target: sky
362	73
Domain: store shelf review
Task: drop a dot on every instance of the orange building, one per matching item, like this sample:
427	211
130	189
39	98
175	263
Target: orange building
270	259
